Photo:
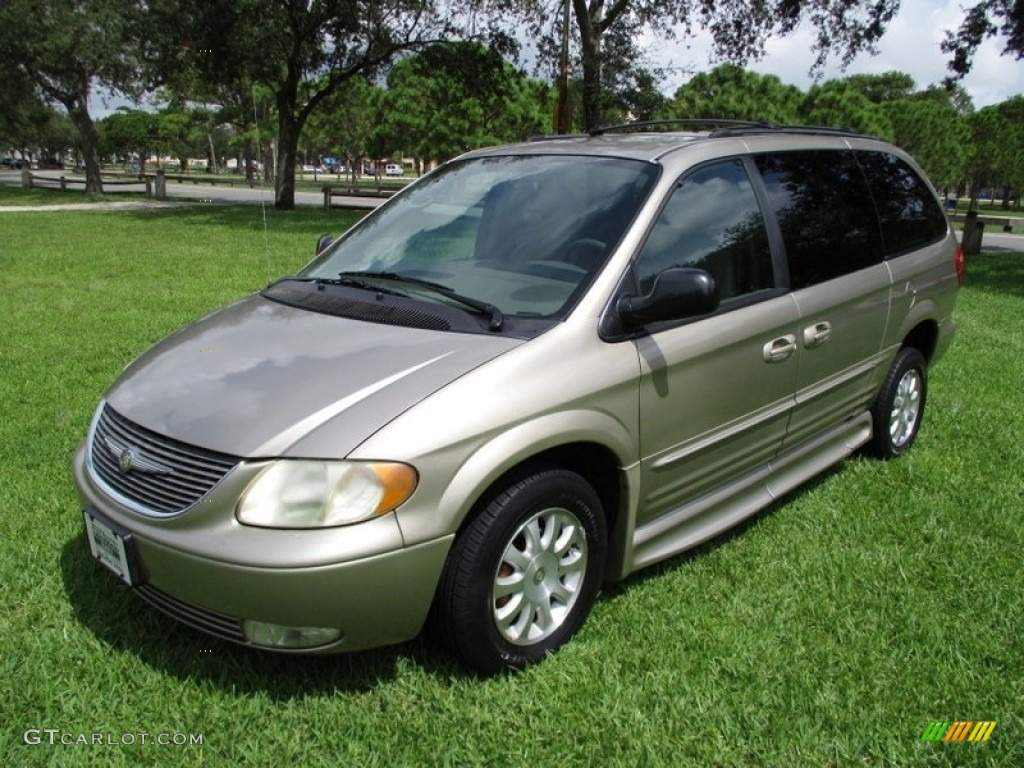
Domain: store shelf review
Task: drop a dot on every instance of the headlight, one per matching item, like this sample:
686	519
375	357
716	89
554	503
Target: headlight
322	494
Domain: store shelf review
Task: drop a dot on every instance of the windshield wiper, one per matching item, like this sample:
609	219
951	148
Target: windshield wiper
497	319
349	280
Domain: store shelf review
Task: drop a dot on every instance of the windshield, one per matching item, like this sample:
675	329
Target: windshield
523	234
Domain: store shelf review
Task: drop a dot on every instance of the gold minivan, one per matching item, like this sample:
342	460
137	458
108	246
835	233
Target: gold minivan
537	368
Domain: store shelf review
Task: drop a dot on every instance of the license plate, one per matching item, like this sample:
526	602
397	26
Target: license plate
112	547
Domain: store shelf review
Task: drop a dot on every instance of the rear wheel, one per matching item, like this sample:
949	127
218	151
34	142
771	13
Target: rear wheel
899	409
523	575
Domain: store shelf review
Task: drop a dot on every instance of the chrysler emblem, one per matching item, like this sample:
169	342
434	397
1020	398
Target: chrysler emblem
130	458
126	460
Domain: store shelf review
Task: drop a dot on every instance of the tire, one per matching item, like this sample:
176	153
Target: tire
899	409
523	574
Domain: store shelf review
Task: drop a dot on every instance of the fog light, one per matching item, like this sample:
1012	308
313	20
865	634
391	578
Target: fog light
279	636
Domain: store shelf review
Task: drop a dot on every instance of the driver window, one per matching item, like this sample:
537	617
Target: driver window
711	222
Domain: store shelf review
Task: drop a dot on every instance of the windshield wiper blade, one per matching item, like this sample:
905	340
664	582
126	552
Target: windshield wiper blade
349	280
397	277
497	319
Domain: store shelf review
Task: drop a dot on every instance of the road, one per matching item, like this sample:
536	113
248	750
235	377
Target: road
999	242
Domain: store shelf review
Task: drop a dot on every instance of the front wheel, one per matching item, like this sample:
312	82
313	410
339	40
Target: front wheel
524	573
899	409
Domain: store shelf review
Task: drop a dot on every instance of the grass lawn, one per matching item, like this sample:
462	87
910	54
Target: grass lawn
829	631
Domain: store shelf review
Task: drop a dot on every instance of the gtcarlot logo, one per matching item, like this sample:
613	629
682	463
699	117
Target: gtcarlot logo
58	736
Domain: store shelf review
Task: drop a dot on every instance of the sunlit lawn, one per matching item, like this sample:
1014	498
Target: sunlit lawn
828	632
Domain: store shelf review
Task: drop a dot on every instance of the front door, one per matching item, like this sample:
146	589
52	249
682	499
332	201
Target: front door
716	392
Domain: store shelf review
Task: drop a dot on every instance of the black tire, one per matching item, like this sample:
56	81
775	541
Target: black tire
899	409
524	573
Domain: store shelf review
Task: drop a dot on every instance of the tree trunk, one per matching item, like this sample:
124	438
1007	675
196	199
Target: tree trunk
78	110
287	147
213	152
590	55
971	239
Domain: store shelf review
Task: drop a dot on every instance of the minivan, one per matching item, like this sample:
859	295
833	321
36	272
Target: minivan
538	368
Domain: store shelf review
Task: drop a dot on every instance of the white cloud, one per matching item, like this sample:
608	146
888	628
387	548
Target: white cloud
910	44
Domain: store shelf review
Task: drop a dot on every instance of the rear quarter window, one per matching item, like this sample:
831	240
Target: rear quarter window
910	215
824	211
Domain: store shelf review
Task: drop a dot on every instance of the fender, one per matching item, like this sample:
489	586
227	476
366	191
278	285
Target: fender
510	448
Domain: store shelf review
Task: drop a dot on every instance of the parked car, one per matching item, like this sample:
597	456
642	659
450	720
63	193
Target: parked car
538	368
393	169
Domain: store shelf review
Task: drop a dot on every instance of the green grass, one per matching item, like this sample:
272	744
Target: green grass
829	631
11	195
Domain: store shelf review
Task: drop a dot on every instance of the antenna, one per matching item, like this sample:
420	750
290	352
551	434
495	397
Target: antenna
263	202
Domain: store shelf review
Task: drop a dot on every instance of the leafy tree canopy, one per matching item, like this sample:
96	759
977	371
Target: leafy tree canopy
302	51
935	134
989	18
883	88
841	104
65	48
456	96
731	92
739	30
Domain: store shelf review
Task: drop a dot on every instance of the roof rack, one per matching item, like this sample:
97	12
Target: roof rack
820	130
555	136
725	127
688	121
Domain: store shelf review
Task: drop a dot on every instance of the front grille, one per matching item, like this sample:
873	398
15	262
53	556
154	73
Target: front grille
162	476
218	624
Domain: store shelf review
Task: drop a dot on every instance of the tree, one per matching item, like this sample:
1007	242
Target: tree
884	88
302	51
986	19
988	151
65	48
839	104
21	111
953	94
181	133
731	92
456	96
639	97
739	29
1012	111
344	124
935	134
127	132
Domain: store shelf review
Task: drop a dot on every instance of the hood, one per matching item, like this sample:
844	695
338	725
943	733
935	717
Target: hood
261	379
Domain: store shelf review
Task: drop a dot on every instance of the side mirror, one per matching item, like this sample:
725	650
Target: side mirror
322	243
677	293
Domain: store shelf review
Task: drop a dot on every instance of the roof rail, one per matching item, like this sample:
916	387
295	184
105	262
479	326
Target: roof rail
554	136
820	130
688	121
726	127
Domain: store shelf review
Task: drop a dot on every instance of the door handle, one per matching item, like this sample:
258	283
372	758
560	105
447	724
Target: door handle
777	350
817	334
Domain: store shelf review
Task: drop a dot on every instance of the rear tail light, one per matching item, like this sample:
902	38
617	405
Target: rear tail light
958	263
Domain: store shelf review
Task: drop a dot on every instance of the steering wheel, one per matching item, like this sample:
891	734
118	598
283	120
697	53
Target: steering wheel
584	252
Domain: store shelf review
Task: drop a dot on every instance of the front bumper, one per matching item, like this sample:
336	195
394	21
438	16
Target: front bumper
374	599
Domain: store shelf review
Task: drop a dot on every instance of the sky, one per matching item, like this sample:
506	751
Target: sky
910	44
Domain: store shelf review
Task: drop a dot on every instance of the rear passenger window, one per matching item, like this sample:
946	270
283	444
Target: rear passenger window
711	222
910	215
825	213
